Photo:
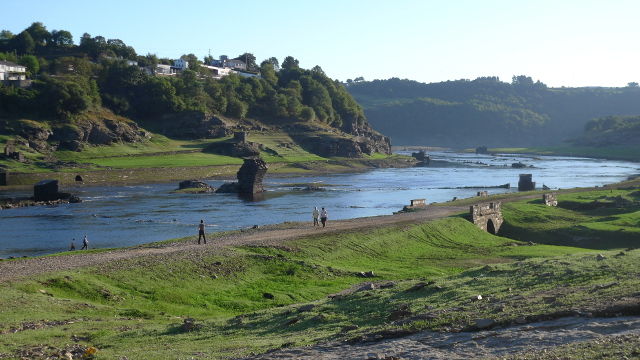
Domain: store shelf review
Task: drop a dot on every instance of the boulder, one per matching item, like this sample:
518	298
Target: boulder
46	190
228	188
195	184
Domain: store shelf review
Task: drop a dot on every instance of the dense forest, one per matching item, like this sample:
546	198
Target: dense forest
487	111
101	74
611	130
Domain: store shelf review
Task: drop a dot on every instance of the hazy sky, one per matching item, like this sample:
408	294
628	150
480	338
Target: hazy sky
560	42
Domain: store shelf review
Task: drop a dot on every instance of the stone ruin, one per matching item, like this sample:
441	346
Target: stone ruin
47	190
482	150
550	199
11	153
240	136
482	193
416	204
487	216
525	183
249	176
422	157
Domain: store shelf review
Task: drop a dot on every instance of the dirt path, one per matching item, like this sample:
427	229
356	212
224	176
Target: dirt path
267	235
497	343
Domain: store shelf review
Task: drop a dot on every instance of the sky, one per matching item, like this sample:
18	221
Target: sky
560	42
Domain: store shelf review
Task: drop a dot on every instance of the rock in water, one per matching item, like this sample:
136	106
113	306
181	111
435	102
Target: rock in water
195	184
46	190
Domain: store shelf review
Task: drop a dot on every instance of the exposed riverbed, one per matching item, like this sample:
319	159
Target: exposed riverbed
117	216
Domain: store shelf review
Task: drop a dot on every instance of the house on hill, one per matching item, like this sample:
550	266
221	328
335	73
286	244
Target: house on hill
235	64
12	71
180	64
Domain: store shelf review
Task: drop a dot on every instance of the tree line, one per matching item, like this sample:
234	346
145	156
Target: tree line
486	110
70	79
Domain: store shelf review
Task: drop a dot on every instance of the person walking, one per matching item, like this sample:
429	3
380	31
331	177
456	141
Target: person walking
85	243
323	216
201	232
73	245
316	215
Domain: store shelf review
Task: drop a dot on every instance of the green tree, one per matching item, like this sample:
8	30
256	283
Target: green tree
31	63
236	108
39	33
23	43
194	63
268	73
274	61
307	114
290	63
248	59
61	39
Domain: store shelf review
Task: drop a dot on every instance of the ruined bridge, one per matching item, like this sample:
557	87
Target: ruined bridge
487	216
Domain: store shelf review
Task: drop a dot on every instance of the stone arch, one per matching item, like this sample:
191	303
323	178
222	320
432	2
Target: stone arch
79	178
487	216
491	229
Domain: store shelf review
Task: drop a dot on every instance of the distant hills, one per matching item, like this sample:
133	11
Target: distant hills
487	111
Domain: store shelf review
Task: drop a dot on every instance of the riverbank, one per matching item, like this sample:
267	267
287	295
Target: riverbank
354	283
134	176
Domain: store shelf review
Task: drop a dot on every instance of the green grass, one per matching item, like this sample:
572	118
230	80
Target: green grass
135	307
586	219
149	296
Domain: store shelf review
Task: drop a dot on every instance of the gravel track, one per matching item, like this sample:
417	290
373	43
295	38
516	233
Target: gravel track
267	235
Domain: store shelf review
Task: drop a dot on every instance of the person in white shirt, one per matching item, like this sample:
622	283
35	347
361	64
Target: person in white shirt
316	215
323	216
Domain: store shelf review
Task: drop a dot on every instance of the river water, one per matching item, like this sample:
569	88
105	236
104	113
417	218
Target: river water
118	216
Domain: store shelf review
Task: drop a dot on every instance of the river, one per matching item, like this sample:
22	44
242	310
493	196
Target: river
117	216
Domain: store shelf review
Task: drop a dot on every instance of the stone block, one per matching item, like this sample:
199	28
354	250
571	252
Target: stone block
550	199
46	190
525	183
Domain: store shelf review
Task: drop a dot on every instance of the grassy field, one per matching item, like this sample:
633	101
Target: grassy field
248	300
592	219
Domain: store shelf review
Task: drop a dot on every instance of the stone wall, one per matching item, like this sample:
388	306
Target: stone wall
487	216
550	199
482	193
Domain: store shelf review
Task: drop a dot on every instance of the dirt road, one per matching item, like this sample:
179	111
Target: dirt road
267	235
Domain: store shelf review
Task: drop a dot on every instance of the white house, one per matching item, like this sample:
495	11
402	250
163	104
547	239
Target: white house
235	64
218	72
12	71
162	69
180	64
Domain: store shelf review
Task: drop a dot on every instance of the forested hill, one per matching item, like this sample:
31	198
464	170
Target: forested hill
487	111
103	84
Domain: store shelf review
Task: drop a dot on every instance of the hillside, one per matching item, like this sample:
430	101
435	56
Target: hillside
100	93
487	111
